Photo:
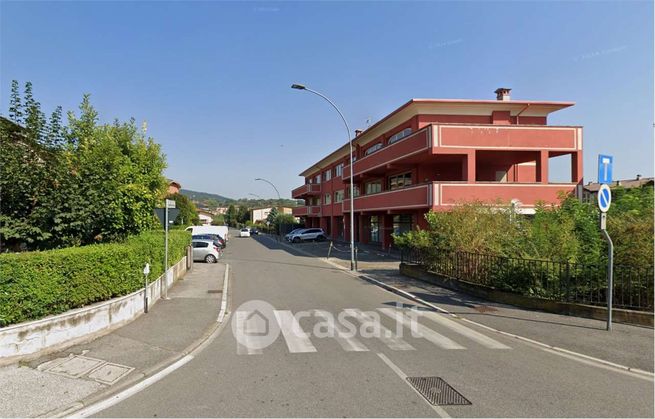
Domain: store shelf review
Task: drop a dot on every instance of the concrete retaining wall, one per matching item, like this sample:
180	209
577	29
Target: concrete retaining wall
492	294
35	338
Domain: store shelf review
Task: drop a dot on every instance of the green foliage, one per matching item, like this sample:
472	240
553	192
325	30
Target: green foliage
80	184
243	214
231	216
188	213
567	233
285	219
218	220
37	284
270	218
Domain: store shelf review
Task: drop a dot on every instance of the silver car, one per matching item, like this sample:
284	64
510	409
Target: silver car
205	250
308	234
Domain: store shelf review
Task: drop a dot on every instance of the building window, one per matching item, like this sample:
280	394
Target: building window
338	196
317	179
327	175
355	189
375	229
402	223
400	181
400	135
339	170
327	199
372	149
373	187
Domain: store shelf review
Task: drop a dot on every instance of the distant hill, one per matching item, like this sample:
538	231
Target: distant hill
205	199
205	196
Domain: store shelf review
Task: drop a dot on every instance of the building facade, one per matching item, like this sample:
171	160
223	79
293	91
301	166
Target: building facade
432	154
261	214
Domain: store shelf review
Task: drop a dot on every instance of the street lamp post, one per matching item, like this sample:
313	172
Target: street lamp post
352	184
276	191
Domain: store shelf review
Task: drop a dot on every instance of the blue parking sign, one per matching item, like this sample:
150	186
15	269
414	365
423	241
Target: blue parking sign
605	168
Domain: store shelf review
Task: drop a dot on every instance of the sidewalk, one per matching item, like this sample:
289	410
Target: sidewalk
49	385
627	345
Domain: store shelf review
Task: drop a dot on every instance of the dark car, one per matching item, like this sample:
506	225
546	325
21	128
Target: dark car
254	231
218	240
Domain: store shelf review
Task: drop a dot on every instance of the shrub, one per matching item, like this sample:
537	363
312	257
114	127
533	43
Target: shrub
38	284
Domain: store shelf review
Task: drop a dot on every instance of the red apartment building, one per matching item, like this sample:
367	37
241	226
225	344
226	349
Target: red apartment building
431	154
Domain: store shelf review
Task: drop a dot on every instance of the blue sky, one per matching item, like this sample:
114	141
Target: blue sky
212	78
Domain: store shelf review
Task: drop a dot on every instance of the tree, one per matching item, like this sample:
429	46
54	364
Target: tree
272	216
101	185
15	107
218	220
188	213
243	214
55	135
231	216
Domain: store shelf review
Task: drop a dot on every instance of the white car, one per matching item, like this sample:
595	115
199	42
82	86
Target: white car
244	232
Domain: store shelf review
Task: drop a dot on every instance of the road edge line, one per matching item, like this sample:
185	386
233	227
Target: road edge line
396	369
221	313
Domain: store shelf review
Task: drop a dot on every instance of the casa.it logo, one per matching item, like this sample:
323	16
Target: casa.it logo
254	324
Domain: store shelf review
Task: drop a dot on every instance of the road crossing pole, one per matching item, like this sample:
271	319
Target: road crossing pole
604	202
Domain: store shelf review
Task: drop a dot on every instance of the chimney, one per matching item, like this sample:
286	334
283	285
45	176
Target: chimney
358	131
502	93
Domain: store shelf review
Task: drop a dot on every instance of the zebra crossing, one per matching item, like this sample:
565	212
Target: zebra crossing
255	331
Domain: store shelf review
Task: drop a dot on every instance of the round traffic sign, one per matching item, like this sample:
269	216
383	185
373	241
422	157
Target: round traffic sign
604	198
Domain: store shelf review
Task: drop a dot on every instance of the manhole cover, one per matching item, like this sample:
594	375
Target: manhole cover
76	366
109	373
437	391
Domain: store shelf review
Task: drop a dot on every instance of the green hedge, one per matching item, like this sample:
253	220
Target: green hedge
37	284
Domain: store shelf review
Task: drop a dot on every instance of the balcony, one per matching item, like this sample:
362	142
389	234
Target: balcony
309	189
311	211
450	139
445	195
409	150
417	196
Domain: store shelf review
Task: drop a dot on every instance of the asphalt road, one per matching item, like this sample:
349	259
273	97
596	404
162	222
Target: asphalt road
303	375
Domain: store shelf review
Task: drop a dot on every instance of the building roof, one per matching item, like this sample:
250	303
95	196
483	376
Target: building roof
441	107
625	183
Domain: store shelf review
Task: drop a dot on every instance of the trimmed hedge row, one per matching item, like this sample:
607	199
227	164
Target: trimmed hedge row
38	284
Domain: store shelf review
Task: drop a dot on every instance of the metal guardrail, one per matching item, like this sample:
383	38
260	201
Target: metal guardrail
560	281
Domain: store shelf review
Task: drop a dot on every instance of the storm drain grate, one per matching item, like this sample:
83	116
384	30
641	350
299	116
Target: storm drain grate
213	291
437	391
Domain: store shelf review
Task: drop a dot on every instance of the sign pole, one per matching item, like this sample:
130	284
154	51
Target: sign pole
146	271
165	281
610	272
604	201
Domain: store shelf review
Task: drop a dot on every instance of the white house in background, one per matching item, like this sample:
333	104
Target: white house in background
205	217
260	214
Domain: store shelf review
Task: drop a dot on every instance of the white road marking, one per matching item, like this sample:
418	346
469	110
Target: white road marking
386	336
296	339
462	330
440	410
105	404
429	334
245	348
221	314
348	343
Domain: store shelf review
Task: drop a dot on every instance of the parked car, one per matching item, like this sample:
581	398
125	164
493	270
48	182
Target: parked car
244	232
218	240
254	232
205	250
222	231
287	236
308	234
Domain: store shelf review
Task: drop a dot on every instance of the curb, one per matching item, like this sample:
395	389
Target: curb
77	409
543	346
